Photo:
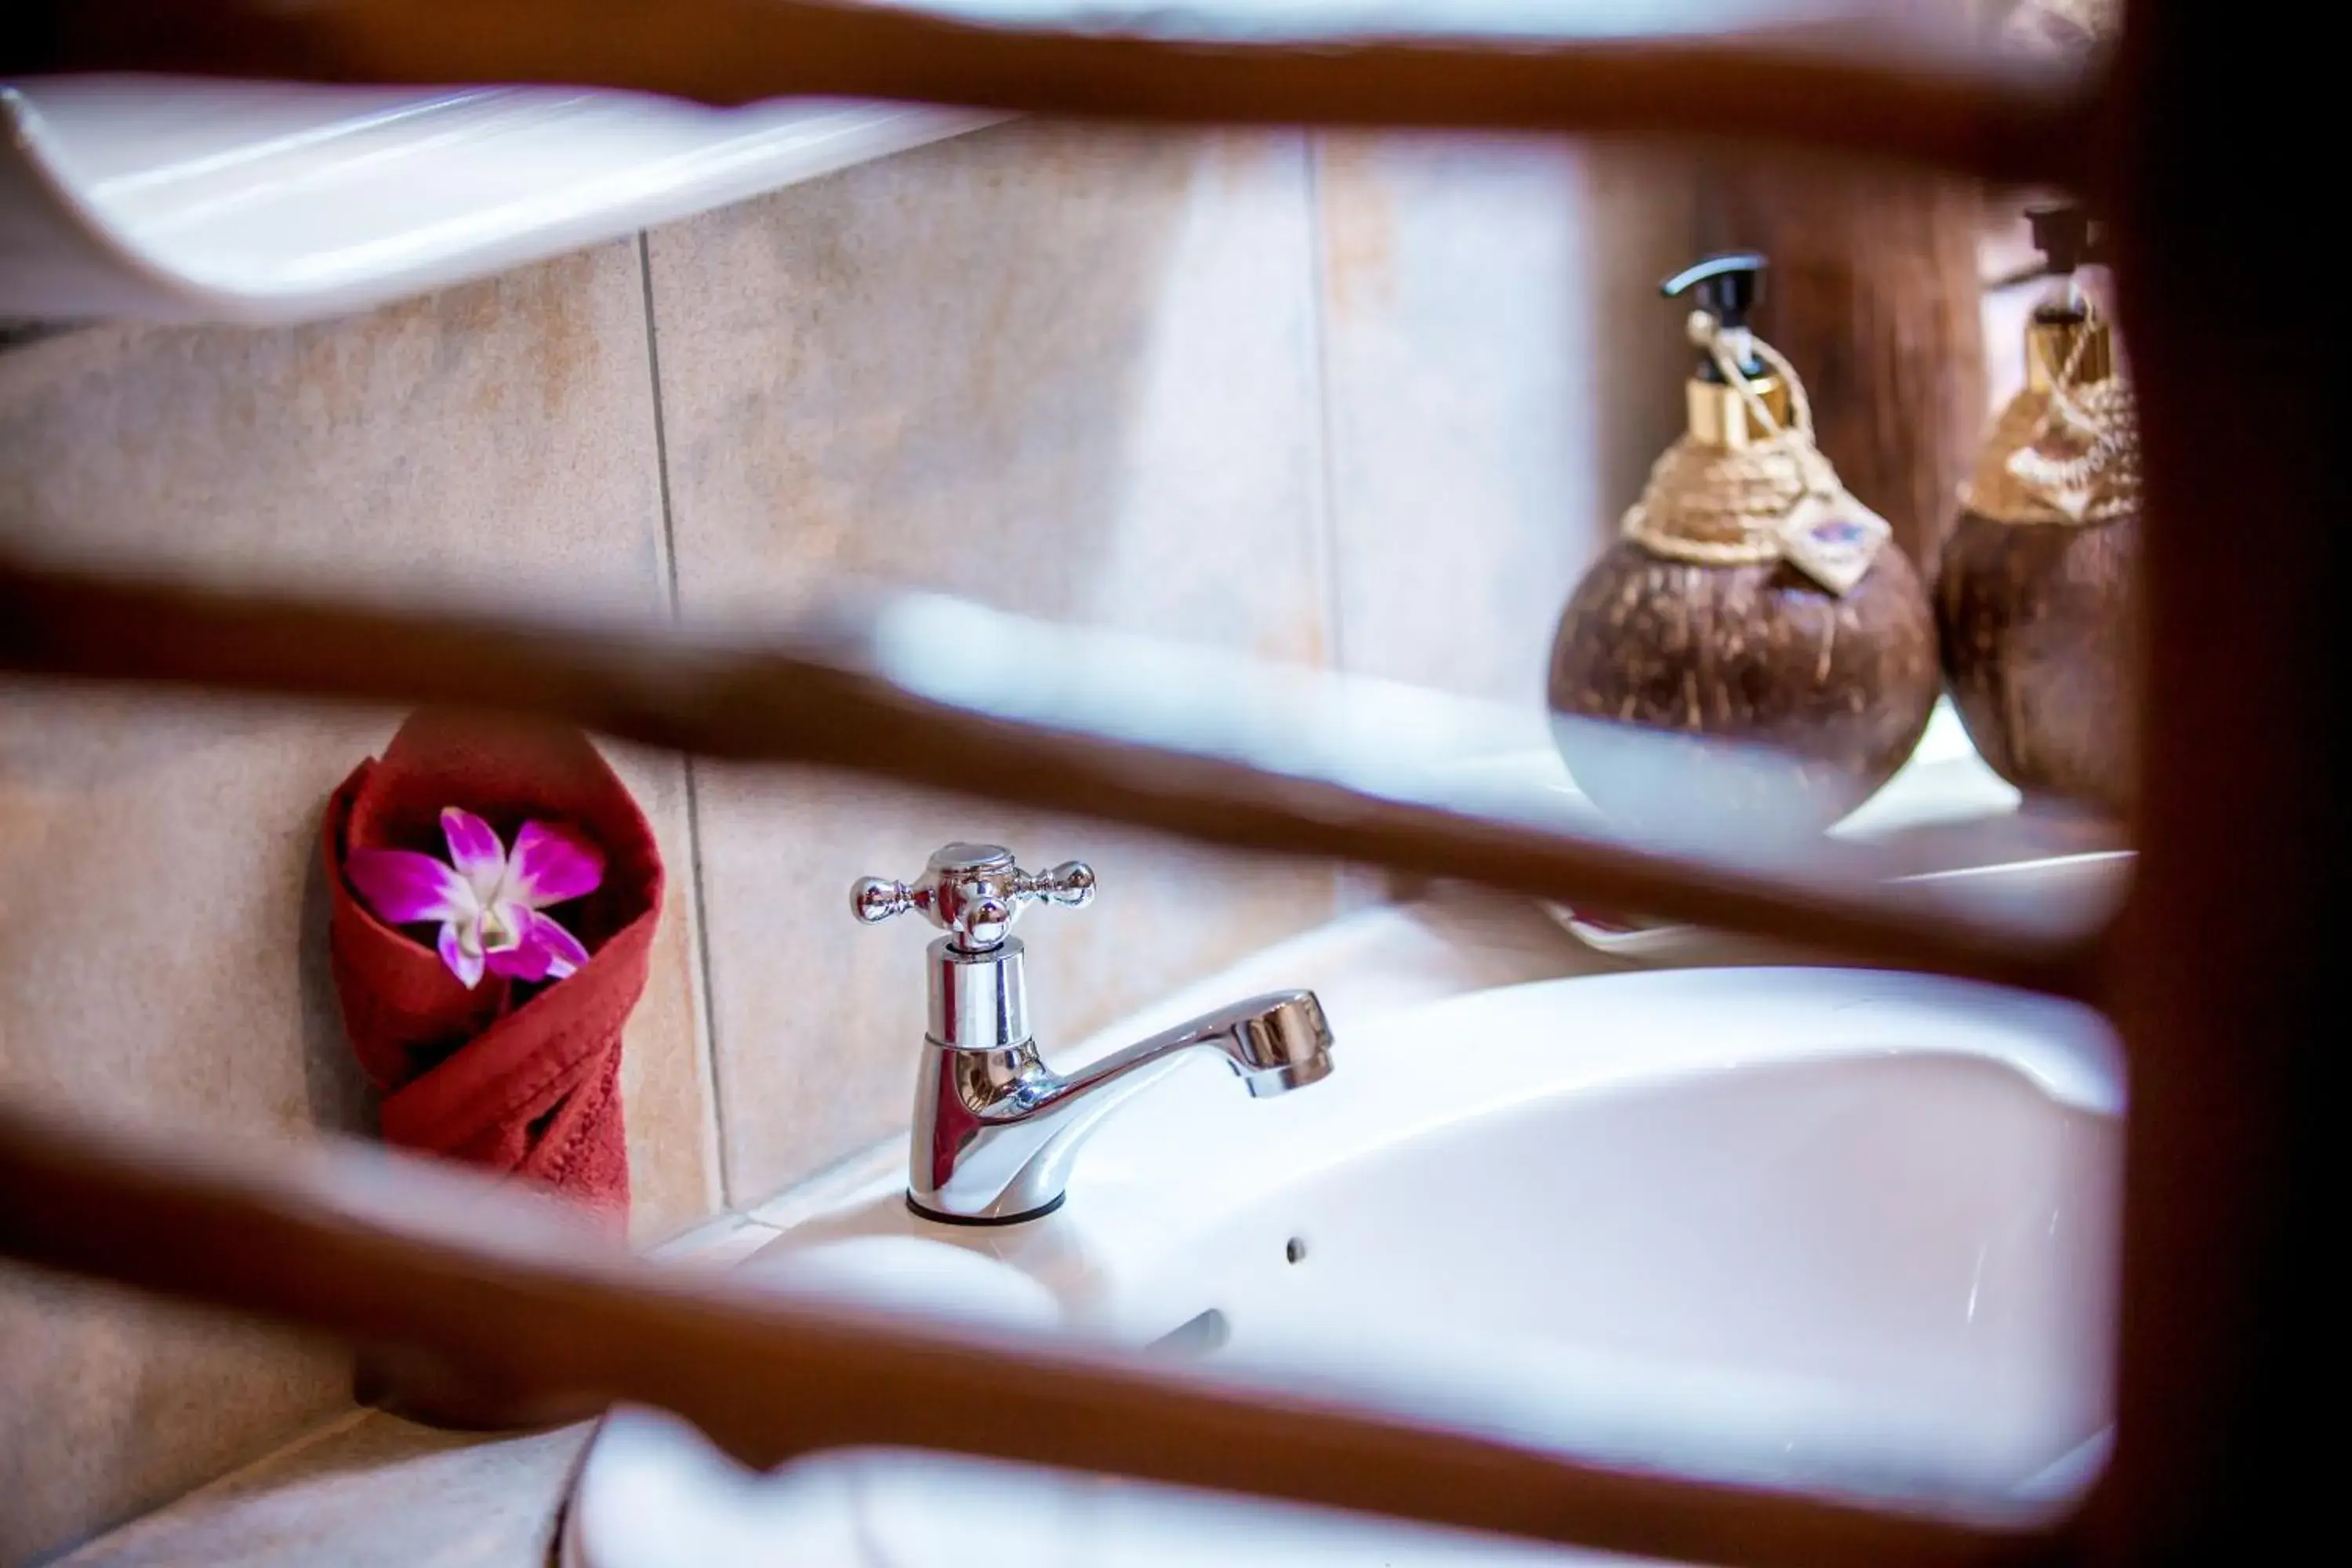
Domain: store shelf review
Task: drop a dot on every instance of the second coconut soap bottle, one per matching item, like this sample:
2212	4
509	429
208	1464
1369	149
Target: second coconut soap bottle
2035	598
1750	600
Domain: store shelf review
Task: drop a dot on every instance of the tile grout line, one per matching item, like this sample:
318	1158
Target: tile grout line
699	904
708	1064
661	429
1319	332
1327	465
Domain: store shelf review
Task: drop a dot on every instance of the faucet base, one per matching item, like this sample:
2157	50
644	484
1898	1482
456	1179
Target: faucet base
1040	1212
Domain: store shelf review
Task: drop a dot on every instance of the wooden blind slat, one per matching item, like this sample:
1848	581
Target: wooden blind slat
384	1250
812	695
1857	87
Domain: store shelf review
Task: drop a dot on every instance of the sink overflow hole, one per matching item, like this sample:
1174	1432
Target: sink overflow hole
1295	1250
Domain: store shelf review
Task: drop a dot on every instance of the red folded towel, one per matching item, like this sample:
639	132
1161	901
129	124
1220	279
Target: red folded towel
517	1076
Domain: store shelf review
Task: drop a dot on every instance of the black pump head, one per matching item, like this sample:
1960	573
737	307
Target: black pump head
2063	235
1726	286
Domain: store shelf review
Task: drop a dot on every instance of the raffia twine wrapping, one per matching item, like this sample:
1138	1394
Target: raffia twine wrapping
2069	455
1724	506
1776	498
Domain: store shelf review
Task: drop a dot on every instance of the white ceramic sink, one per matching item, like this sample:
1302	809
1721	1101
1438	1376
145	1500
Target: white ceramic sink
1845	1232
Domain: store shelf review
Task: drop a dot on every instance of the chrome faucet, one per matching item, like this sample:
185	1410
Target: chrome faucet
996	1129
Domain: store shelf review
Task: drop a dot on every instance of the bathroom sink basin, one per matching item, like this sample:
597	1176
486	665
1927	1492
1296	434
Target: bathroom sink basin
1847	1231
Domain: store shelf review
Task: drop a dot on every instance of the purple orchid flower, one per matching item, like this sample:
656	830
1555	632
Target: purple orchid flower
489	902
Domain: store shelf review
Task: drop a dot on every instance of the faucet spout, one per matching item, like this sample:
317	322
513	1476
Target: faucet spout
1274	1042
997	1130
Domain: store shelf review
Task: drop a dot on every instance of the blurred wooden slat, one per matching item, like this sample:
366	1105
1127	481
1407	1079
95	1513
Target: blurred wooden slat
2228	965
1866	92
380	1249
814	696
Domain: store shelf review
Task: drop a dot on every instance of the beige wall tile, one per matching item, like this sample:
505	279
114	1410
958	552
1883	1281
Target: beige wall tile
110	1403
160	915
1501	374
375	1493
1064	373
494	436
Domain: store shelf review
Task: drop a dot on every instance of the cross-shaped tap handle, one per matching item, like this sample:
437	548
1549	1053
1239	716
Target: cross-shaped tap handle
974	892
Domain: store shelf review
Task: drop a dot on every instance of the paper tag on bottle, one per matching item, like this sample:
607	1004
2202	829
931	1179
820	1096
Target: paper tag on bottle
1832	538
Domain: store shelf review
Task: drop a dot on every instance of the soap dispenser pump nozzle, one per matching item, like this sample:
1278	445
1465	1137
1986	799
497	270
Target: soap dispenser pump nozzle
1719	415
2063	235
2067	339
1725	287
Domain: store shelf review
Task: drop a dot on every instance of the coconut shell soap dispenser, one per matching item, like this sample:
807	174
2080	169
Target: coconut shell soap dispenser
2034	600
1749	599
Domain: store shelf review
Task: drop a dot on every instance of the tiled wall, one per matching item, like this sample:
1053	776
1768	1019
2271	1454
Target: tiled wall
1359	402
